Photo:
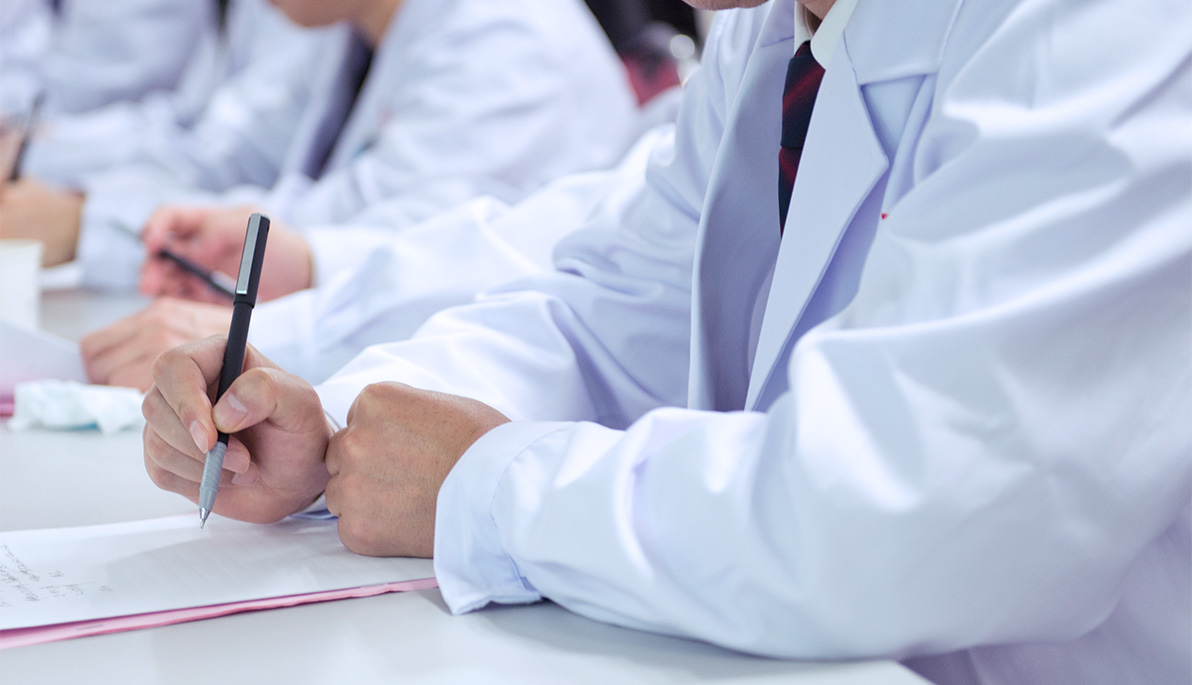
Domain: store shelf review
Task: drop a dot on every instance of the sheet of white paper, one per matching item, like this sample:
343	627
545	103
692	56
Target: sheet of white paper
76	574
27	355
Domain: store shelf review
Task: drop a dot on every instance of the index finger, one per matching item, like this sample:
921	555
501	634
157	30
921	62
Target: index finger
184	376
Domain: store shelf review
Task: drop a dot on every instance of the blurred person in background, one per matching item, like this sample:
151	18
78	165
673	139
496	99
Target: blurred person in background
239	71
420	102
396	281
398	284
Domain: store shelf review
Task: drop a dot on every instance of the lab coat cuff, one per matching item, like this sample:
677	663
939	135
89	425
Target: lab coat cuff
111	258
471	564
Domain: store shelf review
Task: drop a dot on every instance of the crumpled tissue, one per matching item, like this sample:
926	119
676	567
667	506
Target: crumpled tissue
73	405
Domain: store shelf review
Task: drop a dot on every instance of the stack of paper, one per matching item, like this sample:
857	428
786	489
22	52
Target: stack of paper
71	582
27	355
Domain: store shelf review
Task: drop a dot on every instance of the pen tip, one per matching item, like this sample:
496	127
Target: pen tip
203	513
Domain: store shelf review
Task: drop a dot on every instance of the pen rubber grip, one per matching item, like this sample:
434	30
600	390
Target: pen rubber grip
212	468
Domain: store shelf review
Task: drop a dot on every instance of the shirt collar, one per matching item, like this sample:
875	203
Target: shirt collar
831	30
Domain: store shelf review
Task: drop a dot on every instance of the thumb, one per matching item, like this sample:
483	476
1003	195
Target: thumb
286	401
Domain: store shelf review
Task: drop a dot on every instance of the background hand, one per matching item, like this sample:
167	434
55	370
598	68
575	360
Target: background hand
123	353
274	465
213	237
34	211
387	466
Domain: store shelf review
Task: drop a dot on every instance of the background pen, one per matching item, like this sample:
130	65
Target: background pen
243	302
216	280
14	174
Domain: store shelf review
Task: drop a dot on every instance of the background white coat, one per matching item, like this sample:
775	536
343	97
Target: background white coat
192	133
95	53
464	98
439	263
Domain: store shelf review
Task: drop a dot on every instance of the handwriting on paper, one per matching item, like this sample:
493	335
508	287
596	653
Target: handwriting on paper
19	583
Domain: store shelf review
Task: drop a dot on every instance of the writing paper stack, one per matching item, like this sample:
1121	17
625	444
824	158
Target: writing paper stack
71	582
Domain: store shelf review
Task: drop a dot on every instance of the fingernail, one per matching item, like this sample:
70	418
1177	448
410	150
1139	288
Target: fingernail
229	411
198	435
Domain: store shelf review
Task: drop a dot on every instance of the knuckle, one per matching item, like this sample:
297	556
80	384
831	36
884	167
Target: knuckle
382	393
356	535
371	393
165	361
151	406
157	474
258	383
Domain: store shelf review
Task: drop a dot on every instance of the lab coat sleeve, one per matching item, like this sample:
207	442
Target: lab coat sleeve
974	452
439	263
469	122
104	52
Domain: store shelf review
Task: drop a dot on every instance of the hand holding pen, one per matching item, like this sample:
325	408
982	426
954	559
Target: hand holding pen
220	283
274	462
210	239
252	257
274	465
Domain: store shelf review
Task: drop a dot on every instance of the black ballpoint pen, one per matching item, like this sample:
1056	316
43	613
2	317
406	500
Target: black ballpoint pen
245	299
216	280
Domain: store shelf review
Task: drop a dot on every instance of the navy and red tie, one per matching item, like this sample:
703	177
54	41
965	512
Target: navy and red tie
803	76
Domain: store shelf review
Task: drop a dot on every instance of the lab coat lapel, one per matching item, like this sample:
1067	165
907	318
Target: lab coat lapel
843	162
739	225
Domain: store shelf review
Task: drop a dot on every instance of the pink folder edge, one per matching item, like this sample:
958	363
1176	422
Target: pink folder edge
22	637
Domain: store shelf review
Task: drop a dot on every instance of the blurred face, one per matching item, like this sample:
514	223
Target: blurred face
317	12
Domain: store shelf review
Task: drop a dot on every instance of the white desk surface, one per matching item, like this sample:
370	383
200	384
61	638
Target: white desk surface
53	479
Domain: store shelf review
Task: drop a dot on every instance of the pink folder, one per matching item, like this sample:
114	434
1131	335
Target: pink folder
20	637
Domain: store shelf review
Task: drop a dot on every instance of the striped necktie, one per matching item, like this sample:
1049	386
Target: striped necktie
803	76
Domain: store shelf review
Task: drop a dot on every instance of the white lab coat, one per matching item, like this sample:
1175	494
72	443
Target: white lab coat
437	264
24	36
188	133
946	417
105	52
464	98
